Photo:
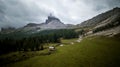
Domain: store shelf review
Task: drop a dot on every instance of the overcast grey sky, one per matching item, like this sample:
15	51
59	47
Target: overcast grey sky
18	13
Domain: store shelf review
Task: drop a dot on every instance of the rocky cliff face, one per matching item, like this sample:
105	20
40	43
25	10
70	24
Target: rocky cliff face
53	23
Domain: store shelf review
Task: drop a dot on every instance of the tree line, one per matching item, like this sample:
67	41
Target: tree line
108	26
35	41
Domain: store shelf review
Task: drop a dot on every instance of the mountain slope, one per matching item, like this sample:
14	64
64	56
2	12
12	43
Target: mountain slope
100	18
107	23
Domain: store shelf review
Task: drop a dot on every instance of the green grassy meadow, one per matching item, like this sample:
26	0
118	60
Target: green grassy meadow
90	52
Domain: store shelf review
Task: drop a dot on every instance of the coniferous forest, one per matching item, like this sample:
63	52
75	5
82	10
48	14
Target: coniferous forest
33	41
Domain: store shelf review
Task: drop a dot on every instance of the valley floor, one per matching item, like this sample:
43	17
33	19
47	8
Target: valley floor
90	52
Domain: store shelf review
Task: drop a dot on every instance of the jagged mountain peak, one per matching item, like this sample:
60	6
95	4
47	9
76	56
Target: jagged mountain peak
51	18
53	22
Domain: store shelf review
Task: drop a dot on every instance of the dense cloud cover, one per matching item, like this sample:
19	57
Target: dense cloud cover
17	13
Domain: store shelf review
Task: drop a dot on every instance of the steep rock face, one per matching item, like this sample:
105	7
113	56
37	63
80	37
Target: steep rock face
53	23
100	18
51	18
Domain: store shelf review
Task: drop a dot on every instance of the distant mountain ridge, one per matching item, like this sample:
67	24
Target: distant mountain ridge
51	23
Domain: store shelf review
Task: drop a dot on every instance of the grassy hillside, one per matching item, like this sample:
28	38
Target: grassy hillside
90	52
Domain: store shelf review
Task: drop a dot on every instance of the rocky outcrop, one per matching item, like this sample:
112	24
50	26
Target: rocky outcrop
53	23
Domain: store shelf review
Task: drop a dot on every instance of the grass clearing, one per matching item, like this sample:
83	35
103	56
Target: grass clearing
90	52
68	40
